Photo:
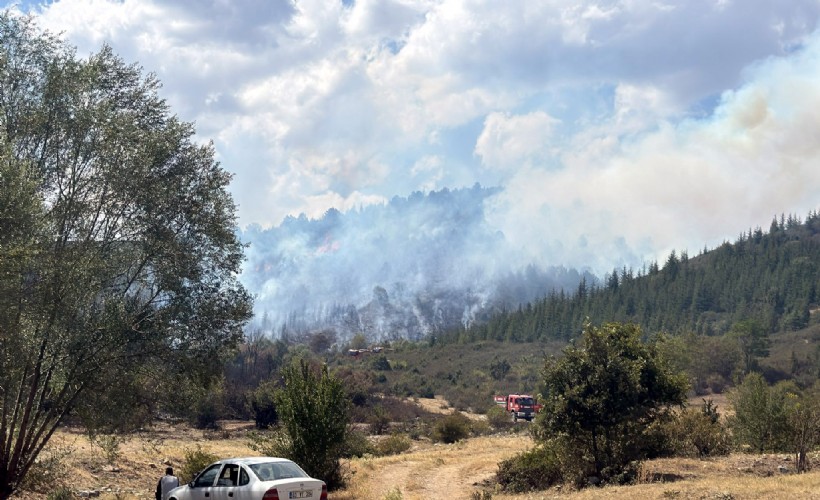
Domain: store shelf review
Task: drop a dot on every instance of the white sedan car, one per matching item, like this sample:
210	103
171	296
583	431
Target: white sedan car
252	478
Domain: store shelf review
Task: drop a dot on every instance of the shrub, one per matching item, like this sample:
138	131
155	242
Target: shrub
379	420
393	445
499	368
760	418
535	469
451	428
207	413
110	445
716	383
60	494
498	417
48	470
380	363
394	494
357	445
263	406
195	460
698	432
314	413
480	428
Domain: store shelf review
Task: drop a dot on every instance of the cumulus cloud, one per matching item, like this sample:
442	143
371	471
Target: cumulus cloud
510	141
618	129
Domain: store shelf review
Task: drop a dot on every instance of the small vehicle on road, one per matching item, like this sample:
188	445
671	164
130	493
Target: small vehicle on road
252	478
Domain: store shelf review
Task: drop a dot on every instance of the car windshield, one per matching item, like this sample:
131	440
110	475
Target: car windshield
525	401
271	471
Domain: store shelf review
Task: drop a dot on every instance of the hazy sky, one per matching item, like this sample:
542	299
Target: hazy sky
619	129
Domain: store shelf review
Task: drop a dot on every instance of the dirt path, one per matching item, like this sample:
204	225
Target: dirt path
427	471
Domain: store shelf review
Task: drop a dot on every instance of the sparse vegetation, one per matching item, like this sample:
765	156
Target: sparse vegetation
394	494
62	493
698	432
451	428
393	445
195	459
110	446
498	417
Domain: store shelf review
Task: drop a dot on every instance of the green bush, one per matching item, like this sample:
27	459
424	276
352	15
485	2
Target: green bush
498	417
110	445
716	383
698	432
379	420
263	406
451	428
314	413
393	445
380	363
207	414
394	494
195	460
602	399
480	428
60	494
535	469
761	419
357	444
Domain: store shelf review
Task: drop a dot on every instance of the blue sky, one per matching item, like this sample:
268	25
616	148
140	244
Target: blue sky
620	130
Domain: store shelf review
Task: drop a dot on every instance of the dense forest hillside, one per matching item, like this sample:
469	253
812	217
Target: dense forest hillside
411	267
769	277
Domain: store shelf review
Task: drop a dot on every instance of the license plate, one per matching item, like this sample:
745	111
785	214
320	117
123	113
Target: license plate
300	494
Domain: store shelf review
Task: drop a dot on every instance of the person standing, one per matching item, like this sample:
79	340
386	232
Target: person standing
166	483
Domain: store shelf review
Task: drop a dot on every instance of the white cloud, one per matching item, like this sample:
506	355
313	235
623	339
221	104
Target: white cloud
507	141
684	184
598	117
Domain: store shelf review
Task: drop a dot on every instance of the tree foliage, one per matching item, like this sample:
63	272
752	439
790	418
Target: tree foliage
118	253
761	420
602	398
314	412
753	340
769	278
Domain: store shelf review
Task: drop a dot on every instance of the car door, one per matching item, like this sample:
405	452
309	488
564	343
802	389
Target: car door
232	483
202	487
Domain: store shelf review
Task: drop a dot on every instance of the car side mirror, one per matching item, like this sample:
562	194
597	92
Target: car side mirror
191	484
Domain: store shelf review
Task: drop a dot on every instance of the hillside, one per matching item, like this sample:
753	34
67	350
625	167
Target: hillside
403	270
771	277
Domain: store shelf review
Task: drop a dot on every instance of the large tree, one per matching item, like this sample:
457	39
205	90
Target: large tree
602	397
118	251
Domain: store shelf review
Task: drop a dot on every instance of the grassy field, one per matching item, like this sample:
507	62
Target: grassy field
426	471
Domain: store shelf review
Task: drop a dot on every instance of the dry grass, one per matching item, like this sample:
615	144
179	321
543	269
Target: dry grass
142	458
459	470
439	405
427	470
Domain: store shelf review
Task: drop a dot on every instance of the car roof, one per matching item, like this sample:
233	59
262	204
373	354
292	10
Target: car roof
252	460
